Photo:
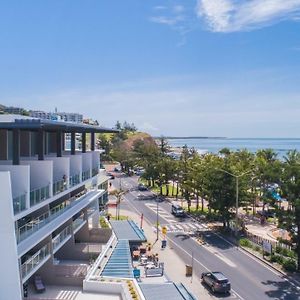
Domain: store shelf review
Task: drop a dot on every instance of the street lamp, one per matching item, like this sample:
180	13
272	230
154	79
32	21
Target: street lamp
237	177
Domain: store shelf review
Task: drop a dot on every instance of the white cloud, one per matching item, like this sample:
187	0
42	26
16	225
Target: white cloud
173	20
239	15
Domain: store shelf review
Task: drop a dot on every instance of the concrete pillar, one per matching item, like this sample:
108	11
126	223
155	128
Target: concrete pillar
83	142
41	144
25	143
73	136
16	146
3	144
58	144
92	141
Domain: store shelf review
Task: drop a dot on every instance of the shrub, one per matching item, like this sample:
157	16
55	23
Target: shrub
290	265
245	243
277	258
257	248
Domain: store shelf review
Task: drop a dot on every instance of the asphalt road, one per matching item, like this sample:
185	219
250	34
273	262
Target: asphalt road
250	279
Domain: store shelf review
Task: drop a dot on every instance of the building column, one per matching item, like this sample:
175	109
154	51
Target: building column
4	144
16	146
92	141
83	142
58	144
63	140
73	135
41	144
25	143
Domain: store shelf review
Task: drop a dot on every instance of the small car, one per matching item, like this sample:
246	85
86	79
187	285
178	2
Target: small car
142	187
217	281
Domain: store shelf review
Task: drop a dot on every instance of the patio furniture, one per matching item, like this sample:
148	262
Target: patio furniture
38	284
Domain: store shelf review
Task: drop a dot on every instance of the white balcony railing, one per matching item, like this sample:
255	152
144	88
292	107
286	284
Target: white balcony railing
32	263
61	237
39	222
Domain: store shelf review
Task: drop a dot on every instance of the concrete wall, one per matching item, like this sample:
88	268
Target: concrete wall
10	287
40	173
86	161
19	179
95	235
75	251
75	164
61	167
61	274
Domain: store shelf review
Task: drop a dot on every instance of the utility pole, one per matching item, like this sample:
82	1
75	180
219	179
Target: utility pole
237	196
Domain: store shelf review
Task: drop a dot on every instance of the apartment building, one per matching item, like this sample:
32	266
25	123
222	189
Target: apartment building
49	197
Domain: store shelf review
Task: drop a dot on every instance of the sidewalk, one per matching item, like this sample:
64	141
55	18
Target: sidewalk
174	266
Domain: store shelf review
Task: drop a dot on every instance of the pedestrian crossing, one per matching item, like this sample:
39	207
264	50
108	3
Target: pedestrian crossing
161	212
184	227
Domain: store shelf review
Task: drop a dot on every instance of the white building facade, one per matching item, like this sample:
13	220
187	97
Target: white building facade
49	198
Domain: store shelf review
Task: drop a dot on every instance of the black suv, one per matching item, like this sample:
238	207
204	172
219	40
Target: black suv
216	281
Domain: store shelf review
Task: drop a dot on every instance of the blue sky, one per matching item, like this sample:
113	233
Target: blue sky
194	67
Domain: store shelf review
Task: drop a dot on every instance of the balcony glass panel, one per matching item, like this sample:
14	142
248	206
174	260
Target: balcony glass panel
34	261
19	203
95	172
86	175
59	186
39	195
77	222
59	239
39	222
74	180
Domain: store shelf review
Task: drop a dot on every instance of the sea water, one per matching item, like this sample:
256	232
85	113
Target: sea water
214	145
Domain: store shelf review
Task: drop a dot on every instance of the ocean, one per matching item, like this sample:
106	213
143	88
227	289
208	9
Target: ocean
214	145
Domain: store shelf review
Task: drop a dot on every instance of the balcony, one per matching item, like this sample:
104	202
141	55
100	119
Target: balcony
39	195
77	224
74	180
34	225
59	186
19	203
61	238
34	262
86	175
95	171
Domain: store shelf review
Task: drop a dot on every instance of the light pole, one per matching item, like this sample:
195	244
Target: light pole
157	218
237	177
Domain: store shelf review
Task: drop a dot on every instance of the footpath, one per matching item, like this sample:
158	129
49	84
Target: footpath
174	266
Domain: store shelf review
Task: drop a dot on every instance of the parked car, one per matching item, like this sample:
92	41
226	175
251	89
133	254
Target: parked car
217	281
142	187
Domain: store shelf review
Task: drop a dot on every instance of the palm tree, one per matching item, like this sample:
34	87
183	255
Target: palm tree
290	219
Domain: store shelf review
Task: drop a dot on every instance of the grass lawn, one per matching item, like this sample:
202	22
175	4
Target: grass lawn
156	189
121	218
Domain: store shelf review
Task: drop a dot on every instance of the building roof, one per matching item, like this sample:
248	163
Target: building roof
119	263
10	122
128	230
162	291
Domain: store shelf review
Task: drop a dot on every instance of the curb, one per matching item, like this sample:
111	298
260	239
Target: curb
256	256
295	281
